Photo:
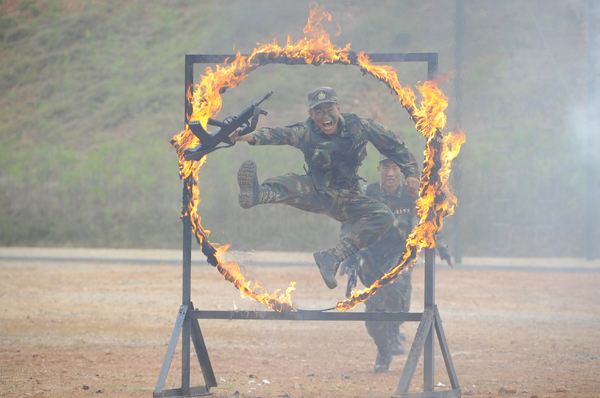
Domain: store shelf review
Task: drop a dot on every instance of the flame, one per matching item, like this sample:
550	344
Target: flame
231	272
315	48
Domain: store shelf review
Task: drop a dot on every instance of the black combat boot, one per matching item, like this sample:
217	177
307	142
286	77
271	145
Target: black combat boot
328	265
382	364
249	186
396	347
395	338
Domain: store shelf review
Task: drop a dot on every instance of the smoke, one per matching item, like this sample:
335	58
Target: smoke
582	122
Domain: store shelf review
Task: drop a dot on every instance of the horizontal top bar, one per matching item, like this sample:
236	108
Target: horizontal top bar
375	57
307	315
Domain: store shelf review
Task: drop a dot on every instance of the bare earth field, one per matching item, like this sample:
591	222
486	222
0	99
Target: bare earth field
93	328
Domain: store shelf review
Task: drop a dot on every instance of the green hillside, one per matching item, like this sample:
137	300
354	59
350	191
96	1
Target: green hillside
92	92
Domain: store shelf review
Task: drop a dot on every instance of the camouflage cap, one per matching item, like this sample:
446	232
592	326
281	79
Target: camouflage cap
321	95
382	158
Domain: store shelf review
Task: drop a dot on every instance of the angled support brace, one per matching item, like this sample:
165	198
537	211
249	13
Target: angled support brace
201	353
445	350
424	342
415	351
430	320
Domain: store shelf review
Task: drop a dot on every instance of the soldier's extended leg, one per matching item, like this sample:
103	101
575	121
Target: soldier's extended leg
251	192
293	190
366	220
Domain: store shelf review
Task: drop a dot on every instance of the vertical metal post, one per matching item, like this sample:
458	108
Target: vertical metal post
428	349
189	80
591	166
459	27
187	261
432	66
186	299
187	255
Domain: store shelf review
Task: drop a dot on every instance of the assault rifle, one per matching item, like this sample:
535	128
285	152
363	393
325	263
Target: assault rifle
209	142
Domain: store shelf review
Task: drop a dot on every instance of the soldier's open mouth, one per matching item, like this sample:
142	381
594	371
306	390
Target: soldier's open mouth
327	125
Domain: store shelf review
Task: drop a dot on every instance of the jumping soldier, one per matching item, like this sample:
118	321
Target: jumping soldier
334	146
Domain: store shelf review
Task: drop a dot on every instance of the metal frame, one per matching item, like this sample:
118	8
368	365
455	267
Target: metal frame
187	325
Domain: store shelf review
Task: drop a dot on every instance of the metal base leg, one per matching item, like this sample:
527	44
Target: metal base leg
431	320
201	353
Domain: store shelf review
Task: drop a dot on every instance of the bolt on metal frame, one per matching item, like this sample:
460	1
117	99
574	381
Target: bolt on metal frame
187	325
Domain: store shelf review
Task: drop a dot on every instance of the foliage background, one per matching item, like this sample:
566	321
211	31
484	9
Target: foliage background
92	91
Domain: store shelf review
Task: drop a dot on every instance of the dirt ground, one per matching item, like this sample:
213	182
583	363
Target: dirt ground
90	328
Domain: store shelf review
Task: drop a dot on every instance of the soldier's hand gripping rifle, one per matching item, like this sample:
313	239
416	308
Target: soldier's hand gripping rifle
209	142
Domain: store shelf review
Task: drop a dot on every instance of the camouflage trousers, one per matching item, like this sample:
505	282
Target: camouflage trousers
366	218
393	297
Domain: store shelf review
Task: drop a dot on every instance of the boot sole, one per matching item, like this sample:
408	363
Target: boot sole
327	275
246	180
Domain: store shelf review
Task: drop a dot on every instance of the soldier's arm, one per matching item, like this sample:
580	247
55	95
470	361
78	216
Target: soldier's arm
290	135
294	135
389	145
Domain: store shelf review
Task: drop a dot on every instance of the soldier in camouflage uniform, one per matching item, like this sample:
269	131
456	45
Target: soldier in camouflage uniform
334	146
373	262
380	257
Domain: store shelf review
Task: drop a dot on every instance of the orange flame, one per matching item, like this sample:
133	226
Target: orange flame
231	272
435	199
315	49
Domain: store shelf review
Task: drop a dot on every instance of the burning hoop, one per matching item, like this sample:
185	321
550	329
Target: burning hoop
435	198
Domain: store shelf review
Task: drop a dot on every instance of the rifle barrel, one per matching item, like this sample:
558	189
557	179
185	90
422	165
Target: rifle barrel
264	98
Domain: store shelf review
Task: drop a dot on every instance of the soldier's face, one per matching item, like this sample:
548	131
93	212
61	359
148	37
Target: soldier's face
327	117
391	176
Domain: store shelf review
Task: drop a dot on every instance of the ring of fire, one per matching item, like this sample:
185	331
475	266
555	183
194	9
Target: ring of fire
435	198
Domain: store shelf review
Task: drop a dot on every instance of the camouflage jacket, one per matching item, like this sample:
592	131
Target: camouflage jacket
333	160
381	256
403	205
